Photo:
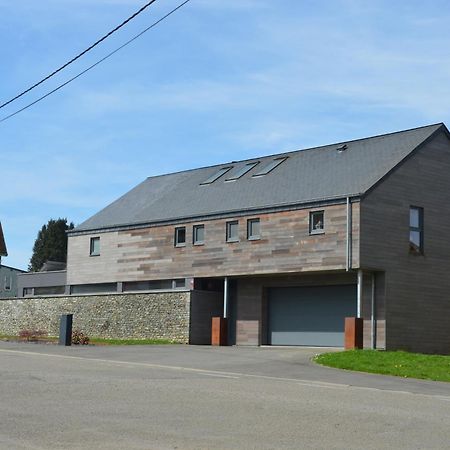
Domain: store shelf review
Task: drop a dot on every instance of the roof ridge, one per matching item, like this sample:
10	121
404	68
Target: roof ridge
288	152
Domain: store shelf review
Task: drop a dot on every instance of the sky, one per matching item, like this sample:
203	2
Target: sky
220	80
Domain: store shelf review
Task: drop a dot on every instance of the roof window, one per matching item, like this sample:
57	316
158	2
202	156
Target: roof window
217	175
272	165
242	171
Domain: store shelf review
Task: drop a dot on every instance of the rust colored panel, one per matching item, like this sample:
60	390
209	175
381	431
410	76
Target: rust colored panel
219	331
353	333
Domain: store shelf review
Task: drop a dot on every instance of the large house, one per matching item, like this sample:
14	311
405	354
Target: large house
296	242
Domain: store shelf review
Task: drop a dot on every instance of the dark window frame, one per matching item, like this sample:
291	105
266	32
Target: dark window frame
413	248
92	251
228	236
195	240
250	236
312	230
176	241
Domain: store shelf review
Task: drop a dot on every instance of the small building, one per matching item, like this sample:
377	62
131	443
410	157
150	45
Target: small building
50	280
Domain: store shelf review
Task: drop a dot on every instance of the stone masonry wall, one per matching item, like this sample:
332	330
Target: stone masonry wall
162	315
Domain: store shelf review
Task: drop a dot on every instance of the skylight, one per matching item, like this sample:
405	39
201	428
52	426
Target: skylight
242	171
217	175
272	165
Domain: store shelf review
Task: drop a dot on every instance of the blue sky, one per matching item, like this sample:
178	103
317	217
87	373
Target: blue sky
218	81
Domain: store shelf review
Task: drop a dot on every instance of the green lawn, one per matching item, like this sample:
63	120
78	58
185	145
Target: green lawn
96	341
400	364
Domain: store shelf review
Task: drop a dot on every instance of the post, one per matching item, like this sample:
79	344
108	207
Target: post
373	330
359	293
353	333
65	330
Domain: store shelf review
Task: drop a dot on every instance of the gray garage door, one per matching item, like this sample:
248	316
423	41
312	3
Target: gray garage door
310	315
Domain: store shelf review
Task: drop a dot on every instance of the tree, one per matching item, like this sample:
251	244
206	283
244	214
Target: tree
50	244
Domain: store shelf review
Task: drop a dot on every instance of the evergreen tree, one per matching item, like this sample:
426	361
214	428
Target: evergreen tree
50	244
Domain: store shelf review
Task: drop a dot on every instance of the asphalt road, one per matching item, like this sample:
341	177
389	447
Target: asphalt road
181	397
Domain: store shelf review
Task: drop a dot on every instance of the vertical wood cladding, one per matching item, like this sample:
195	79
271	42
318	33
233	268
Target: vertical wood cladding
417	287
149	253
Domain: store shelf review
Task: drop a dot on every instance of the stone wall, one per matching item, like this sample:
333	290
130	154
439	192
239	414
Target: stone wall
162	315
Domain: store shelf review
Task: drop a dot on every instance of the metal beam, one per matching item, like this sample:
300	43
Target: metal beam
225	297
359	293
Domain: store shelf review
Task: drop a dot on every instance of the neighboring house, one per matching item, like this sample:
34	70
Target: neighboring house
297	241
8	275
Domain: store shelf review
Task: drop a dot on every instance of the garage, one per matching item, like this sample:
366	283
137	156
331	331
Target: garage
311	316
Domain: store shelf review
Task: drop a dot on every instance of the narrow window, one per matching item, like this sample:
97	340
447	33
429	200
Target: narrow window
416	230
28	291
95	246
233	231
253	229
180	236
7	283
198	234
316	222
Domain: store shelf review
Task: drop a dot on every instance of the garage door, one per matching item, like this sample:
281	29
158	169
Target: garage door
310	315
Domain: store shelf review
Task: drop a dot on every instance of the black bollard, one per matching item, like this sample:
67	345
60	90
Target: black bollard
65	330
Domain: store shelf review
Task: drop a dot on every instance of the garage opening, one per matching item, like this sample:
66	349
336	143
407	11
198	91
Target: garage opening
310	316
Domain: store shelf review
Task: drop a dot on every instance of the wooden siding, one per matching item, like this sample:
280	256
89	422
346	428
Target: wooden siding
417	288
149	253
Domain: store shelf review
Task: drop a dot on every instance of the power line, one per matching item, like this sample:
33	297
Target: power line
79	55
95	64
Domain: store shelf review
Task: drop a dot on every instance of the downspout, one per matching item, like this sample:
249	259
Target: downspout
359	293
225	297
348	264
373	337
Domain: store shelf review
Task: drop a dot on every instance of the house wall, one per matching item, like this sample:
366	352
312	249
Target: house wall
149	253
163	315
417	287
12	275
251	302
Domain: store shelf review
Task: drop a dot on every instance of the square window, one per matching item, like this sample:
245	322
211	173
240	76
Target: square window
253	229
198	232
180	236
95	246
233	231
416	230
316	222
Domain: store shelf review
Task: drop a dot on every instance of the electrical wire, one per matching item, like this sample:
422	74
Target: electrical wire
95	64
79	55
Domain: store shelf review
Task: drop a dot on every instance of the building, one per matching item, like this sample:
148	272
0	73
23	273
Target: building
295	241
8	275
50	280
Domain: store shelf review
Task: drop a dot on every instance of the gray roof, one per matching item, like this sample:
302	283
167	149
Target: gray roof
306	176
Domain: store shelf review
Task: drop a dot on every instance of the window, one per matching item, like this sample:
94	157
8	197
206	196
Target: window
242	171
272	165
253	229
95	246
217	175
180	236
7	283
316	222
233	231
28	291
198	237
416	230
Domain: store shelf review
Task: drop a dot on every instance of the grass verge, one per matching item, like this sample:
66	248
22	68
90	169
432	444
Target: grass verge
400	364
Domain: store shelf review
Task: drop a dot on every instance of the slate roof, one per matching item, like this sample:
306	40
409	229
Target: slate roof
306	176
3	251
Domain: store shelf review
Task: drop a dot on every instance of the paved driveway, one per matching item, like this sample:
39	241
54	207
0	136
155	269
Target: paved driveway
181	397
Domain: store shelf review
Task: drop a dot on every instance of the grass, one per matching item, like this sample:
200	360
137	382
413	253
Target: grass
96	341
400	364
100	341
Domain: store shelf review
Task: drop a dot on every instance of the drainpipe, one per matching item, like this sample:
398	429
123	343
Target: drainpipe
359	293
225	297
373	337
348	264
